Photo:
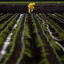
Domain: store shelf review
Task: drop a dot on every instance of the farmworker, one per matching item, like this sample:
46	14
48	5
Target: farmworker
31	7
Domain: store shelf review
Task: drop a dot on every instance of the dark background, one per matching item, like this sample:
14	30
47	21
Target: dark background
31	0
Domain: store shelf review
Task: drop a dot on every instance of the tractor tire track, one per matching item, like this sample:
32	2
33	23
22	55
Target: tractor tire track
18	46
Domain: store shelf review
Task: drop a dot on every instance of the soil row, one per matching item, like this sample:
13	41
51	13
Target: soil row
50	54
18	45
36	52
6	23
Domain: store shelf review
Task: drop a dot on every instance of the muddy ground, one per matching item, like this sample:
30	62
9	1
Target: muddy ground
18	45
51	55
36	52
39	8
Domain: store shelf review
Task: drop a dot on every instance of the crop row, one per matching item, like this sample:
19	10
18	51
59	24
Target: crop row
31	38
54	36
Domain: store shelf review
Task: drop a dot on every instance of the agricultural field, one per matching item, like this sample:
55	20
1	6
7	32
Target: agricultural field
31	38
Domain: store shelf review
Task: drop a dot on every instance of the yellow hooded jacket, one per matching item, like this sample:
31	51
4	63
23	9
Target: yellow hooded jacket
31	7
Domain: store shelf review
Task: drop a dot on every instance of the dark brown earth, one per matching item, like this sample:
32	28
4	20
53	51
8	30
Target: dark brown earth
1	14
59	52
57	22
36	52
52	30
18	45
3	20
6	23
39	8
51	55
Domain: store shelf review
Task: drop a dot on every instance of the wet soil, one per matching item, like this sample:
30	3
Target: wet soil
57	22
55	34
52	22
59	52
36	52
1	14
51	55
6	23
18	45
6	18
39	7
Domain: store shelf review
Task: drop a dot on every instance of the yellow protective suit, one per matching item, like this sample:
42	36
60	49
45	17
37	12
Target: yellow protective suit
31	7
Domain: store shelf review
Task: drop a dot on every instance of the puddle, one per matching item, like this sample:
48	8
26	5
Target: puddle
7	41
